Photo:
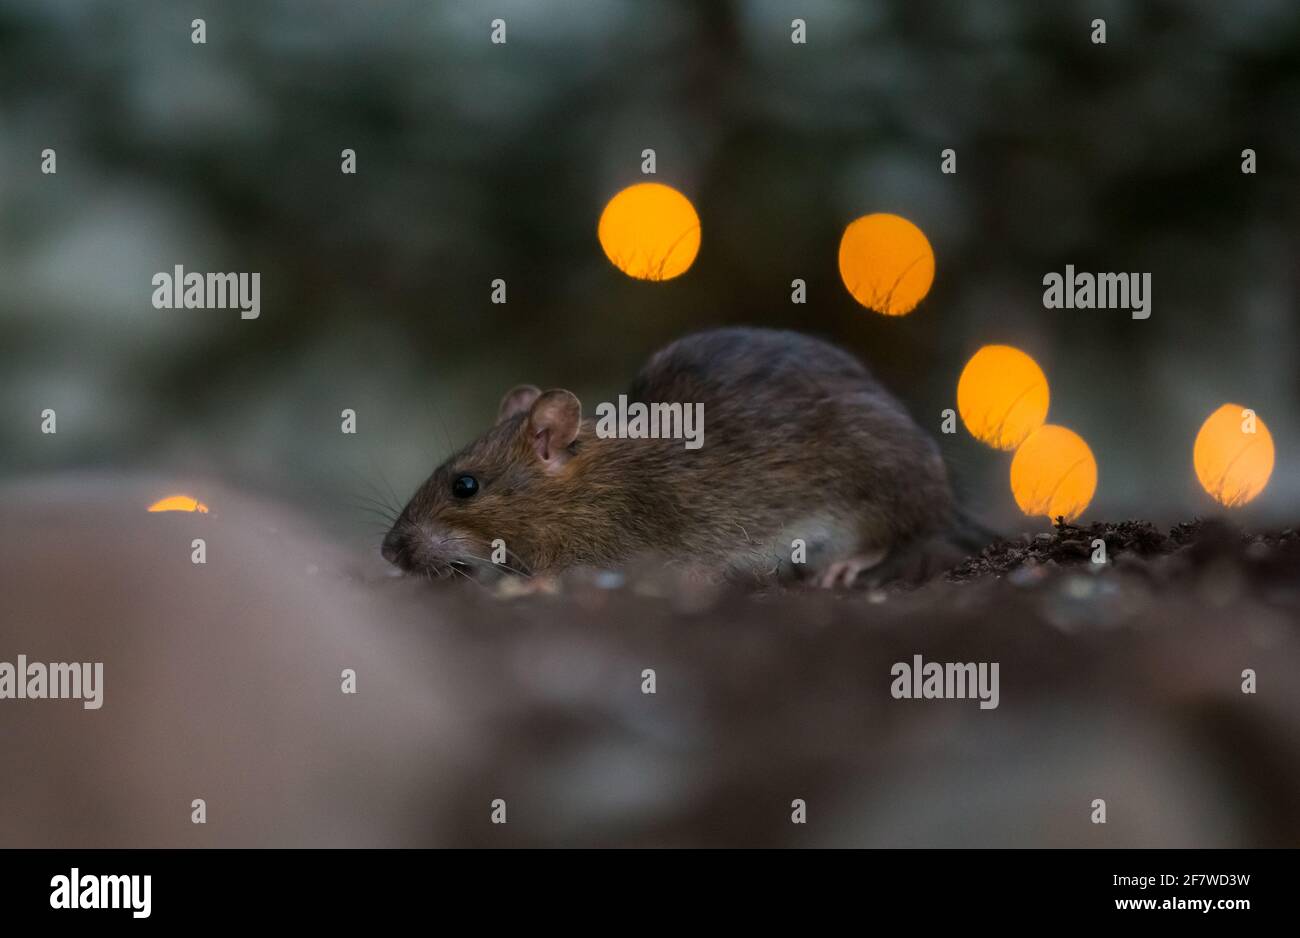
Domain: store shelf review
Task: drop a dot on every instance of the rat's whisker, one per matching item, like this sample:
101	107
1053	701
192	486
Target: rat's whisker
509	553
490	564
365	501
463	544
455	569
373	520
392	493
520	560
378	512
377	495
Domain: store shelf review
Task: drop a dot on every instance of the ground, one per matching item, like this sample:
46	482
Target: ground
1159	688
1134	544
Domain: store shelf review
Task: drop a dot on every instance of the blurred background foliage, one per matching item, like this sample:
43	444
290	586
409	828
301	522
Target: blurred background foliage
478	161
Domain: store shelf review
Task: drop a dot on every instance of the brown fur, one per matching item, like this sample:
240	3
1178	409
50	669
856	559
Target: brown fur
799	441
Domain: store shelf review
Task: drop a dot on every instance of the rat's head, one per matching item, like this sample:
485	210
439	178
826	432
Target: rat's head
502	486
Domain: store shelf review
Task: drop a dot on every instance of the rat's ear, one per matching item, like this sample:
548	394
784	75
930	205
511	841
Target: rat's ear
553	424
517	401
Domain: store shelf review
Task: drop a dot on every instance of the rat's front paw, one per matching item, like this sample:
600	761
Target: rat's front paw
513	587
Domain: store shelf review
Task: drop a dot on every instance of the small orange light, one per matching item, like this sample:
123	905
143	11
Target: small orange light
650	231
887	263
1053	473
1233	455
179	503
1002	396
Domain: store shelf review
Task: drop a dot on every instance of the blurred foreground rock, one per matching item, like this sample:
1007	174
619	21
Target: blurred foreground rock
222	682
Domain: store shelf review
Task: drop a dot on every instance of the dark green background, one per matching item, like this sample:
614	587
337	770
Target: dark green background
479	161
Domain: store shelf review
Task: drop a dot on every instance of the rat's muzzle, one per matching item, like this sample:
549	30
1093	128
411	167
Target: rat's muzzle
426	549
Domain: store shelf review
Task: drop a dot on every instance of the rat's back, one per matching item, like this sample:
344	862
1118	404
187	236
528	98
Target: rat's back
717	365
800	442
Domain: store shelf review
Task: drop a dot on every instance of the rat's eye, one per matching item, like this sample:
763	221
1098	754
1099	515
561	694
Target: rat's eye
464	486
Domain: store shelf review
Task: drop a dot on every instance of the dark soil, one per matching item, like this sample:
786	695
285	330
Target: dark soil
1140	545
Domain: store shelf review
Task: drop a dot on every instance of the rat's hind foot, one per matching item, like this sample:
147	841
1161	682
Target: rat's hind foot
844	572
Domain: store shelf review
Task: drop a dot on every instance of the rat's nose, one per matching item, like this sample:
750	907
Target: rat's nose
392	549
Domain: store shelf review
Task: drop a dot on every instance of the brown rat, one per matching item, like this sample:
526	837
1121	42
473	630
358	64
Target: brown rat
799	442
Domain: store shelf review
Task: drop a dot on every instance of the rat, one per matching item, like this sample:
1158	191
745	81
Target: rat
808	469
